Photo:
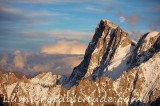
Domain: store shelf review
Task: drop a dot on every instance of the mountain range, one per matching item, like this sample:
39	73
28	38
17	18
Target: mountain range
115	71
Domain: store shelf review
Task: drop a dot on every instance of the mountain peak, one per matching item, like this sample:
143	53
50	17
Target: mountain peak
107	43
109	23
110	52
152	34
146	47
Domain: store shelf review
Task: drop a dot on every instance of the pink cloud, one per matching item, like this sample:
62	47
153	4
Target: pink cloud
132	20
40	68
19	60
64	47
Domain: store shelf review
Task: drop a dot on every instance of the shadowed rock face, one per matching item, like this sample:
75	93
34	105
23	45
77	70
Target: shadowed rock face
79	71
114	71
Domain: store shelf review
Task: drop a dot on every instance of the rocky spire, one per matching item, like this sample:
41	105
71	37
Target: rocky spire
102	50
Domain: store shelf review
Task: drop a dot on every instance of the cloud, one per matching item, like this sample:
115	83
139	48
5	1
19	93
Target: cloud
55	1
12	13
98	10
31	63
64	47
40	68
45	1
72	61
19	60
12	17
136	34
132	20
4	60
153	8
58	34
43	13
153	25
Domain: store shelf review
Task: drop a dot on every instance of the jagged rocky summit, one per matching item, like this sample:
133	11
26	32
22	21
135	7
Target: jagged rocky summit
108	47
115	71
111	52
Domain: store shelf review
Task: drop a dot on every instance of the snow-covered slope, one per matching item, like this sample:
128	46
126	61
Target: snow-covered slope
46	79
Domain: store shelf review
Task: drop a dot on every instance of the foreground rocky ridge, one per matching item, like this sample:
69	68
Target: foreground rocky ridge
115	72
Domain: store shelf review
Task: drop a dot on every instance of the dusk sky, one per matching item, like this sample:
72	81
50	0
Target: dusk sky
67	26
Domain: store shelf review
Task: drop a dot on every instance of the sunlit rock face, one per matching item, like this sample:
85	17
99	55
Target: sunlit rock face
115	71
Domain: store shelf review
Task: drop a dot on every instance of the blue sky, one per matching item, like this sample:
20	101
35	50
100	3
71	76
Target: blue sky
31	25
